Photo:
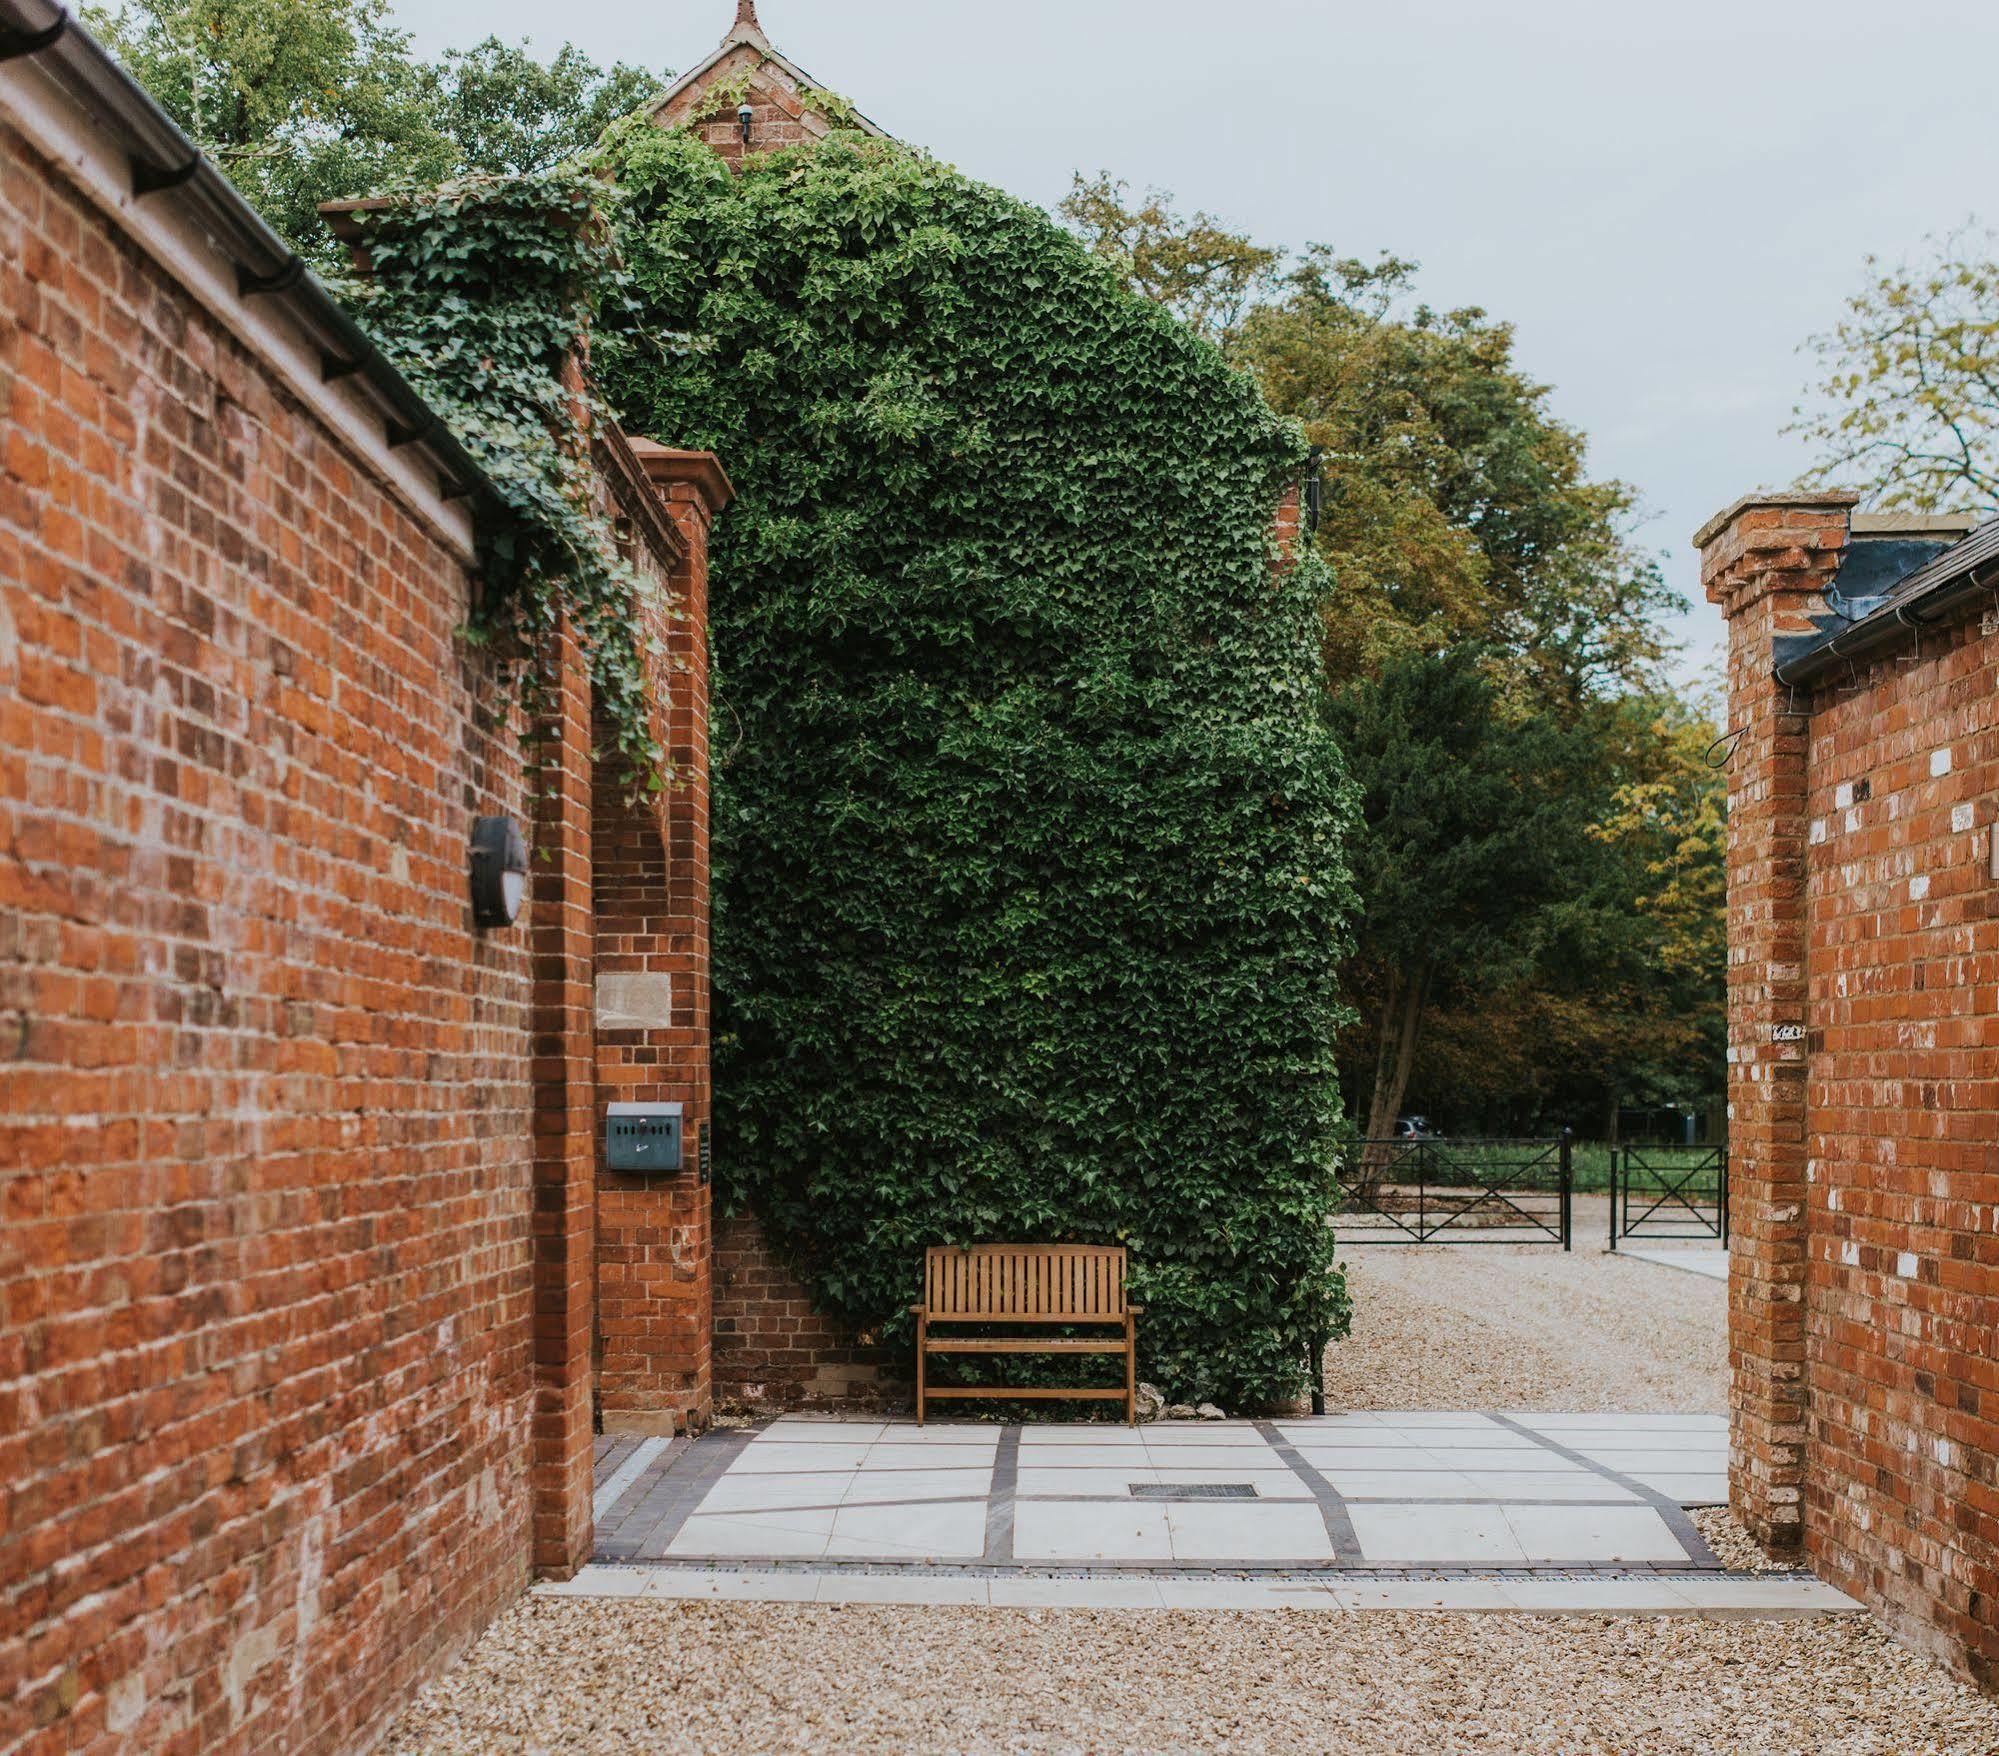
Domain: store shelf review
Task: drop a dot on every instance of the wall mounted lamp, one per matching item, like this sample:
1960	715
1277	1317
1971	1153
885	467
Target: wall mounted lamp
744	115
499	862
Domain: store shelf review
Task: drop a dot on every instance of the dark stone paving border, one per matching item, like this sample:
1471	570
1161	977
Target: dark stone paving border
1000	1498
651	1513
1674	1516
1332	1506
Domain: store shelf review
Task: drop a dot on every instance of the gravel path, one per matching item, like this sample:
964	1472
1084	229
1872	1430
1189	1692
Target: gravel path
1734	1547
607	1676
1506	1327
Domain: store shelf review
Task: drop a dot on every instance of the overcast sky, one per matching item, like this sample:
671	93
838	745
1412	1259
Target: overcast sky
1666	198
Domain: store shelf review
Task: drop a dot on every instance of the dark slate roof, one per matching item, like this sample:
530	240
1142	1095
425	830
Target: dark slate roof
1879	576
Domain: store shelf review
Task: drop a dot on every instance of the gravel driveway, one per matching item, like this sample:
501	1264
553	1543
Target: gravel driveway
1511	1327
614	1676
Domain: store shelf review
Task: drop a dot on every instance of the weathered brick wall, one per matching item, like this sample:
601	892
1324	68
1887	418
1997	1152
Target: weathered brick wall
290	1154
654	1247
1902	1308
709	104
1767	566
772	1347
1864	915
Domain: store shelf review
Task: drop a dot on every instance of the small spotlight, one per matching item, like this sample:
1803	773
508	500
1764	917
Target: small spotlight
744	115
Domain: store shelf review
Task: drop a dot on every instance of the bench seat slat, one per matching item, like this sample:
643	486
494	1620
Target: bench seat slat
1083	1322
1022	1393
1024	1345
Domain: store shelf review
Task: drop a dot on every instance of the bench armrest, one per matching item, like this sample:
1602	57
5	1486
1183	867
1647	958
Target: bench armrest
918	1310
1135	1310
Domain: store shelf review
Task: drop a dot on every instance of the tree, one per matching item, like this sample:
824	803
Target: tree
304	101
506	113
1460	523
1458	507
1468	839
1207	277
298	101
1908	406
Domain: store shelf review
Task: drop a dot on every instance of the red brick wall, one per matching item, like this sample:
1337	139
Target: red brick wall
654	1247
563	1049
282	1137
1767	569
1902	1309
772	1348
1865	1277
709	109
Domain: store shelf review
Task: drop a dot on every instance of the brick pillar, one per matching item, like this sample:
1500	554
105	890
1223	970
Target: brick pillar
564	1093
1766	561
1288	526
655	1234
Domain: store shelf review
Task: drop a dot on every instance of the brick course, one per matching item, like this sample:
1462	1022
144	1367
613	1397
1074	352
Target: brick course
1863	909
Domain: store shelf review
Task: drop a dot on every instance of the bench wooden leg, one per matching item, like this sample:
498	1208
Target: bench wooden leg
1130	1370
922	1335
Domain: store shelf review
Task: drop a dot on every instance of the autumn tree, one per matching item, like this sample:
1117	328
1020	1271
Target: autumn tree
1907	406
1478	568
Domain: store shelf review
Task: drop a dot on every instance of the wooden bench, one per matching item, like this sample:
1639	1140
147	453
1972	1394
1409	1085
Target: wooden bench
1079	1285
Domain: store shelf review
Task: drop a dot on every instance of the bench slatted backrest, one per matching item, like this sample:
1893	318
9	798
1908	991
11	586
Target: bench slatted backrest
1025	1283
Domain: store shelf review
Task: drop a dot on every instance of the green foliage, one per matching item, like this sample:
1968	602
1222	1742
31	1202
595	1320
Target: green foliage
1908	407
1467	840
1459	509
1575	963
1460	518
1206	276
298	101
505	113
479	291
304	101
1028	839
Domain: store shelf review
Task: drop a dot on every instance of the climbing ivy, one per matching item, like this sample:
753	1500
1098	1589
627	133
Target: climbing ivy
480	291
1028	838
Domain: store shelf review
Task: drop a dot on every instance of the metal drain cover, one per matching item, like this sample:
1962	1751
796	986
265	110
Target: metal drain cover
1192	1490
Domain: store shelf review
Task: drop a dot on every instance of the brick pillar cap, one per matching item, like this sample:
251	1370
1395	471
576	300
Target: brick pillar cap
1776	499
700	470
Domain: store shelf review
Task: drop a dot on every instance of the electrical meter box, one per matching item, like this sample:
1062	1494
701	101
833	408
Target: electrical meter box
643	1137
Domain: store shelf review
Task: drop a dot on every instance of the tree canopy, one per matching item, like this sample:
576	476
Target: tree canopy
1907	405
1513	954
304	101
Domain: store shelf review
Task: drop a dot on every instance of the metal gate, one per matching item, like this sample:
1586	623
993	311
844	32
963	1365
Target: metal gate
1668	1192
1456	1192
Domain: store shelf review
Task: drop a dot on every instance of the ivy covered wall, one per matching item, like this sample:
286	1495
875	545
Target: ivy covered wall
1028	840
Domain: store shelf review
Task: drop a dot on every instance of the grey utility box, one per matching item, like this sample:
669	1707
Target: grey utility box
643	1137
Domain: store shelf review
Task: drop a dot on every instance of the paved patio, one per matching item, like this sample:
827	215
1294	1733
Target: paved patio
1357	1490
1460	1510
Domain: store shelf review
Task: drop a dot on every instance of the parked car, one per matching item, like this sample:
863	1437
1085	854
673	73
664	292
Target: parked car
1414	1128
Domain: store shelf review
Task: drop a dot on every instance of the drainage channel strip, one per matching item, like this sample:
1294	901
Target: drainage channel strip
1191	1490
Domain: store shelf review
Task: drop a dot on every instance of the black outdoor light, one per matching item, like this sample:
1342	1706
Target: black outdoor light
743	115
499	871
